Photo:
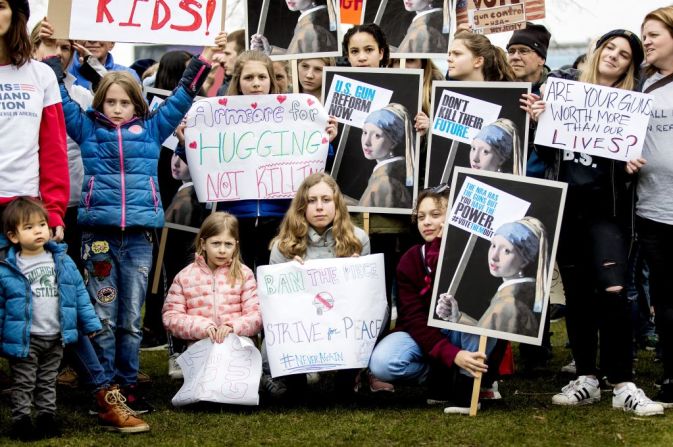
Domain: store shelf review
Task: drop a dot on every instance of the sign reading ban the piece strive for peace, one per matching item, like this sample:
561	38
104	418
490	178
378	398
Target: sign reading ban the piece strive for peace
481	209
587	118
182	22
254	147
323	315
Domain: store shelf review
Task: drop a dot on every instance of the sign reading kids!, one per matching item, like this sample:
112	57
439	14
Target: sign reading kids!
254	147
183	22
481	209
461	117
350	101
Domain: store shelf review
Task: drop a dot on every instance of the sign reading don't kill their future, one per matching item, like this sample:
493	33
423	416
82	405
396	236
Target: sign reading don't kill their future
461	117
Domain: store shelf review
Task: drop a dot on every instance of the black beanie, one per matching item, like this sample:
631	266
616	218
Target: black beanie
637	53
536	37
20	5
180	152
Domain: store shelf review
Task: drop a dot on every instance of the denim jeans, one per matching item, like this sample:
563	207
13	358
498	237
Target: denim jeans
399	358
90	370
116	269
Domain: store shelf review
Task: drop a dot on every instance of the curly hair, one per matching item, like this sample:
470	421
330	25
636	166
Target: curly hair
379	37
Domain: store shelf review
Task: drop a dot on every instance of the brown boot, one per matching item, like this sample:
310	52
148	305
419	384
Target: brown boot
115	415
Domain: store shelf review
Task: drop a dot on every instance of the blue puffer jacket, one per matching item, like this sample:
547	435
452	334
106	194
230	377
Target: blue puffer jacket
120	187
16	305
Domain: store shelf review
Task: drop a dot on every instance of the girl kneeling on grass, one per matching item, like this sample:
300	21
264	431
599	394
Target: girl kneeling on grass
216	295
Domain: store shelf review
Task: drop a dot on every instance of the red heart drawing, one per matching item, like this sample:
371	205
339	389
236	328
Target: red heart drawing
192	145
281	98
324	140
222	101
310	102
253	105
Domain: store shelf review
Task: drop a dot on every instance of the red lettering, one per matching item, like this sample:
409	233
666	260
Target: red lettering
133	11
156	22
187	6
102	10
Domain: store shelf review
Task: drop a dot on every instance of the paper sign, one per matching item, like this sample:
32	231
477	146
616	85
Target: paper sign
590	119
227	372
352	11
350	101
254	147
158	21
323	315
497	20
461	117
534	9
481	209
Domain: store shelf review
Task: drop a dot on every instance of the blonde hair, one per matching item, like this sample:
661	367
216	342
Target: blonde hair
292	238
130	86
214	225
495	67
234	88
590	74
430	73
665	16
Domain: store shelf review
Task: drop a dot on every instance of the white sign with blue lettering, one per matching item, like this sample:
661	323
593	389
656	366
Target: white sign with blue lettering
459	117
350	101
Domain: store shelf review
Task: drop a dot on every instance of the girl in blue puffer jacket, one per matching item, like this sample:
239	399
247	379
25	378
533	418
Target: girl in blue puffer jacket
120	206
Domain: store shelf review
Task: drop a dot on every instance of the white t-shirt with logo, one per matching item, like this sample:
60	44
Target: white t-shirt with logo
24	92
41	273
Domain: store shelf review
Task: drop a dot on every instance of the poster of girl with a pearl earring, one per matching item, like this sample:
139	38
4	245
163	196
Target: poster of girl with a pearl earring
476	125
293	29
415	29
376	160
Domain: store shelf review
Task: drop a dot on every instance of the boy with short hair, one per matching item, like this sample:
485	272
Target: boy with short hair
43	303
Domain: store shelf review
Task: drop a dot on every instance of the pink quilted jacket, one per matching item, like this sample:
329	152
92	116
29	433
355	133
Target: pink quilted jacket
200	298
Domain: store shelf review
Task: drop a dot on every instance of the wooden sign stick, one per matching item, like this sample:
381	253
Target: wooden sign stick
160	260
294	69
476	388
262	17
449	162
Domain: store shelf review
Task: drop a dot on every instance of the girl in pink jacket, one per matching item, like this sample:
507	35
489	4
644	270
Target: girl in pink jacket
216	294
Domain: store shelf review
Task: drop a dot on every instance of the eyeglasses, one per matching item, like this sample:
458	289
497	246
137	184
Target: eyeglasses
522	51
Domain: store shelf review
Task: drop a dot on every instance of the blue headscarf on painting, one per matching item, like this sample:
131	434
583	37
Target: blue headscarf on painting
525	242
389	122
498	138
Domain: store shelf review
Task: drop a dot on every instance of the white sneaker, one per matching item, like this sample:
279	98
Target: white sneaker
570	368
460	410
582	391
631	398
490	393
174	371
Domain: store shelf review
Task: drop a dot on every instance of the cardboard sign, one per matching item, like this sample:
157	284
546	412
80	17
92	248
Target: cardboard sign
350	101
254	147
461	117
481	209
352	11
227	372
156	21
323	315
497	20
534	10
594	120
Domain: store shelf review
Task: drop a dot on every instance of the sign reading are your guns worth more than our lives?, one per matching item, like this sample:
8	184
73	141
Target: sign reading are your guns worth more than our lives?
181	22
600	121
460	117
254	147
323	315
481	209
350	101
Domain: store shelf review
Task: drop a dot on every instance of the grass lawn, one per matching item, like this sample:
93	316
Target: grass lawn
523	417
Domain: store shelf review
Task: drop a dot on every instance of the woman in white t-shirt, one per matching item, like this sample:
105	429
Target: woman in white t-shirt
33	160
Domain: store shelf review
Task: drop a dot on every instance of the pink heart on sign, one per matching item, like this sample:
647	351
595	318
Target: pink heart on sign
192	145
253	105
281	98
324	140
310	102
222	101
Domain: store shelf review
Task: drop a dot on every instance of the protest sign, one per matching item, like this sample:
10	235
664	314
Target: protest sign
471	120
593	120
254	147
461	117
497	20
493	298
156	97
481	209
352	11
507	10
156	21
323	315
350	101
226	373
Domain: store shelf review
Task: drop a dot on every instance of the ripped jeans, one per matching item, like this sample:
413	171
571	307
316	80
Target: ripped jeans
116	270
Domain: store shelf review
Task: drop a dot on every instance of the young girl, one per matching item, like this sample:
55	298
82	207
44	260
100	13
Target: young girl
592	250
33	161
497	147
472	57
416	351
310	75
121	206
216	295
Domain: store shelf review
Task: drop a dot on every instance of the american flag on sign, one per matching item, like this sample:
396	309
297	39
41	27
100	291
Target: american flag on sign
534	9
